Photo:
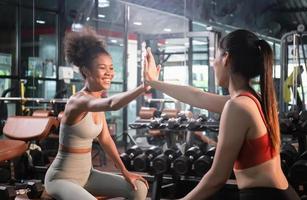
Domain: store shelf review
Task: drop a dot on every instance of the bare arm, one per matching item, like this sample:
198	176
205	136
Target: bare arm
109	146
87	103
192	96
186	94
231	137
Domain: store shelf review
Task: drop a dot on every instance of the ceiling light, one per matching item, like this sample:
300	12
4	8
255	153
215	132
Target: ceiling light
167	30
137	23
114	41
101	16
209	28
76	27
198	42
88	18
40	22
200	24
103	3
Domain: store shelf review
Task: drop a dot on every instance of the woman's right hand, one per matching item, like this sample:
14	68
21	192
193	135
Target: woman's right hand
151	71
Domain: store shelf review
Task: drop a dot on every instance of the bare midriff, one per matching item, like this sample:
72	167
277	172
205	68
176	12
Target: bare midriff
74	150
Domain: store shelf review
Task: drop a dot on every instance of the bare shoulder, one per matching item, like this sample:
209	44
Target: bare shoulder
77	101
240	108
235	120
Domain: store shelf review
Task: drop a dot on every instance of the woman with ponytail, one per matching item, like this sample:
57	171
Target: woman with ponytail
249	138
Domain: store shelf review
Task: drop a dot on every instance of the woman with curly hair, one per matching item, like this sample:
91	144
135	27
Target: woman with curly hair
71	175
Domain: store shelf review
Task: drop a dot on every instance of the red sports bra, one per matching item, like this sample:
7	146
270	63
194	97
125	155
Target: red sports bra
255	151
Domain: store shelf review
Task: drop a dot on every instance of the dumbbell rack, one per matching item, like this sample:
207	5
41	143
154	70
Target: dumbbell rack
171	131
157	182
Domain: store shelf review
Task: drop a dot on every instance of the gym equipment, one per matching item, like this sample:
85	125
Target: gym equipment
303	121
295	124
288	125
3	107
129	155
288	155
22	130
210	151
162	163
126	160
197	124
37	100
5	172
159	123
178	123
9	150
152	118
42	113
146	115
298	171
33	189
292	52
202	165
183	164
143	162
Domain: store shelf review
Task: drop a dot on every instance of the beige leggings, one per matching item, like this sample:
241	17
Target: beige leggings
99	183
71	176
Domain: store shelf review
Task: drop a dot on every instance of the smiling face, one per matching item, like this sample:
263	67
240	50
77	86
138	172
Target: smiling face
101	73
221	69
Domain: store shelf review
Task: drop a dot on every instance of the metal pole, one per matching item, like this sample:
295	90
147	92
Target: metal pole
125	62
190	59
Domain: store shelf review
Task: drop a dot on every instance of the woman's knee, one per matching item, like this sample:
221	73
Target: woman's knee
141	191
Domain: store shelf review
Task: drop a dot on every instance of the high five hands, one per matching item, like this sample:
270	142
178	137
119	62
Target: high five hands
151	71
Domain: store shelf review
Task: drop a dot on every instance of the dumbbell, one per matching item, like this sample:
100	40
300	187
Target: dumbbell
197	124
293	116
183	164
303	121
32	188
143	161
288	155
159	123
139	124
162	163
129	155
177	123
202	165
145	116
288	125
298	171
210	151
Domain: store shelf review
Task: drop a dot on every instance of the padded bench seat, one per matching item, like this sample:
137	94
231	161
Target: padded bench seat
11	149
28	128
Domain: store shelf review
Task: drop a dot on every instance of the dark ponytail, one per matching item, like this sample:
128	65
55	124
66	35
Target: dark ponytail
268	97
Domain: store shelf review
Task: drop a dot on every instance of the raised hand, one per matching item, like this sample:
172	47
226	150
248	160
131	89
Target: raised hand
151	71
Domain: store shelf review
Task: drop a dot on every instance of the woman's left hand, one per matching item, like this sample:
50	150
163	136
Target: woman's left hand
132	178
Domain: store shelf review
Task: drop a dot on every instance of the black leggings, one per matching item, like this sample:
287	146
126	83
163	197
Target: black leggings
266	193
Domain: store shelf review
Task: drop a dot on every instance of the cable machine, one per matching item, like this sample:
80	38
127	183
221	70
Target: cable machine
293	68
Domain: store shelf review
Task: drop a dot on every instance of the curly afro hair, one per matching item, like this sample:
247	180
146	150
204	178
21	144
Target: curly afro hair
81	48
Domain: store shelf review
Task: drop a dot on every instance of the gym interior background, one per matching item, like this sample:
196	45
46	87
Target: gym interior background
183	35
